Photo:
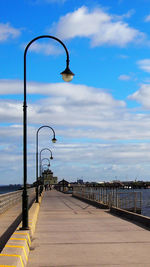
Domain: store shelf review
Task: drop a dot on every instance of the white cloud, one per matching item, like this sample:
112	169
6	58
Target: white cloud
144	64
45	48
76	107
67	92
7	31
142	95
124	77
76	112
126	15
97	25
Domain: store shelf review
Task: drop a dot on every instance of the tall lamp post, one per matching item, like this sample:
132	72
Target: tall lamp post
67	76
54	141
51	157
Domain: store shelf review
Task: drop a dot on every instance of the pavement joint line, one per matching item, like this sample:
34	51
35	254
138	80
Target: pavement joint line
16	233
12	255
16	246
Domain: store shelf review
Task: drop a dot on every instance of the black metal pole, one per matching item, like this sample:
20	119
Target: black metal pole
37	193
25	195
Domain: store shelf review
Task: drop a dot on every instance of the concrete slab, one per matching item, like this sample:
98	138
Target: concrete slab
71	233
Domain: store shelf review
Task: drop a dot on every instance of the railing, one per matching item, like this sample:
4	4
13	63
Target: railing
131	201
9	199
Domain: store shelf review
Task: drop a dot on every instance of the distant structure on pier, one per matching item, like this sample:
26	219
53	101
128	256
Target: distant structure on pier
48	178
80	181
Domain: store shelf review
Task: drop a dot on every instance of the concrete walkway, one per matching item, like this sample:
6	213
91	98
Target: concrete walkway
72	233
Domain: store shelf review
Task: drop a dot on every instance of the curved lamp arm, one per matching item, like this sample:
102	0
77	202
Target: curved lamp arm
45	159
53	140
51	157
48	150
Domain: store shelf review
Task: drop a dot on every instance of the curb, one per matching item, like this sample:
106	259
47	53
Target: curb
138	218
16	250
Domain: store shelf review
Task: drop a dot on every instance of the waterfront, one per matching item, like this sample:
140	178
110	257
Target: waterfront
145	201
145	196
9	188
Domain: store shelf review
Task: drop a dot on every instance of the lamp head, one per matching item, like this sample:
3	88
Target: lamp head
51	157
54	140
67	75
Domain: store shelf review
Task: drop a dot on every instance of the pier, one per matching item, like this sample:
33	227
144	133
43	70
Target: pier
70	232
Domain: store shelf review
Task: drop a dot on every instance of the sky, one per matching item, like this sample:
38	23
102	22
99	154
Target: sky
102	117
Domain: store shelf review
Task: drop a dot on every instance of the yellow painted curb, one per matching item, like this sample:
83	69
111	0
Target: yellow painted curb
16	250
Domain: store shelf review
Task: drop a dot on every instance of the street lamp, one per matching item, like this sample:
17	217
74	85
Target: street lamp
46	159
45	165
51	157
67	75
54	141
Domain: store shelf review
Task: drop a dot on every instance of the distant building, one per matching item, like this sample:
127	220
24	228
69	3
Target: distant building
64	186
48	178
80	181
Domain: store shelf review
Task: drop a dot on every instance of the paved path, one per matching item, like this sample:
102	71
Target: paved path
72	233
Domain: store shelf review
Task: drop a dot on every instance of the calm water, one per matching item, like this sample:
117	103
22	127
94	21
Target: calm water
145	201
8	188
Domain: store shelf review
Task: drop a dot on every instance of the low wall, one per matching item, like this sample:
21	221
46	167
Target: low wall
144	220
7	202
9	199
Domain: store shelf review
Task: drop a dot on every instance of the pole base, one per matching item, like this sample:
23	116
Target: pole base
24	228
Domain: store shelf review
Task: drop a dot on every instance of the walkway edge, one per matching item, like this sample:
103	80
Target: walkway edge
16	250
143	221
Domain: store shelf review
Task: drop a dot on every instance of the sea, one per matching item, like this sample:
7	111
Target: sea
9	188
145	199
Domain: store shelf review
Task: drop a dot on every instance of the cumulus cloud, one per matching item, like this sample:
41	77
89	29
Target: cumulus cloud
142	96
76	112
45	48
144	64
98	26
66	91
7	31
85	112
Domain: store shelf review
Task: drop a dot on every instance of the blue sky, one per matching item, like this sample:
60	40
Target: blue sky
101	118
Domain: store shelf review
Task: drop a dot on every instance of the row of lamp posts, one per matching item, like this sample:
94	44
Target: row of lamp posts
67	76
51	157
